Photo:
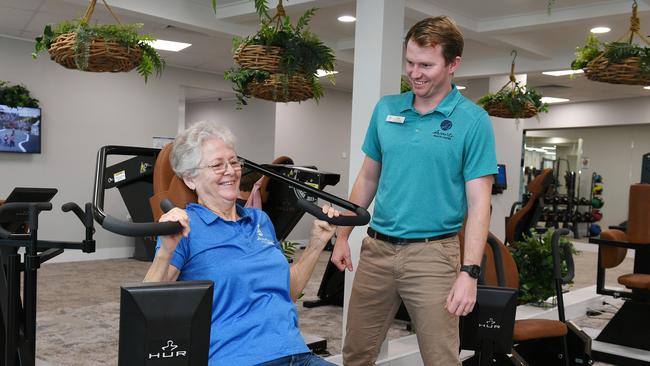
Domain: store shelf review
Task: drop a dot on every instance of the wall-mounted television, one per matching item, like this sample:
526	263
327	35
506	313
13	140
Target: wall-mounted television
20	130
500	181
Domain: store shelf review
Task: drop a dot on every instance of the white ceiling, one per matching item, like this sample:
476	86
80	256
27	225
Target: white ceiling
492	28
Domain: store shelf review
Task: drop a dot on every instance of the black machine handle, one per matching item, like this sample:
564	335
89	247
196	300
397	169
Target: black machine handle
33	209
362	218
568	256
166	228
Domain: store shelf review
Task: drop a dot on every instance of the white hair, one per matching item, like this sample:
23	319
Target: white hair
186	151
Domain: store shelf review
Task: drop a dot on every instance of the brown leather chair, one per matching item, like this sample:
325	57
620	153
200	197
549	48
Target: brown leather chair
614	244
524	219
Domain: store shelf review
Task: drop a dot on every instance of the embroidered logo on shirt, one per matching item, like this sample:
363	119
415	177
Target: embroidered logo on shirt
444	132
262	239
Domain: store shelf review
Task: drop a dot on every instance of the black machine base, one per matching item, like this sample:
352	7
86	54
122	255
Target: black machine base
629	326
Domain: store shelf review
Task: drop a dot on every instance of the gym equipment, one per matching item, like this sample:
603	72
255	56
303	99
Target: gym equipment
180	196
597	202
536	341
165	321
598	189
521	221
594	230
645	168
19	229
625	341
596	215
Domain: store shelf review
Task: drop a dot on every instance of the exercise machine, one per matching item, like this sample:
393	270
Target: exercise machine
19	216
305	196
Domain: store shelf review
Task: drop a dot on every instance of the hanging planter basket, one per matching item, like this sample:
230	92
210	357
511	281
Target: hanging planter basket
280	88
258	57
513	100
610	65
502	110
279	62
80	45
103	56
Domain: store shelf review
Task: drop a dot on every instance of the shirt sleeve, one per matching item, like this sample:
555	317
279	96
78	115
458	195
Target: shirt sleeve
479	155
371	145
180	254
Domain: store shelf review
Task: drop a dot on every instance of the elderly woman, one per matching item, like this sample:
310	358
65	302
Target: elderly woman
254	318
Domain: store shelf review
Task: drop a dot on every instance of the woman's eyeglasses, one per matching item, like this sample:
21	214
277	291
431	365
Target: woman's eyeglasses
221	166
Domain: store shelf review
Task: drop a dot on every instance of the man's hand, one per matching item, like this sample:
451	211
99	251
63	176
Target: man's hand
462	296
341	254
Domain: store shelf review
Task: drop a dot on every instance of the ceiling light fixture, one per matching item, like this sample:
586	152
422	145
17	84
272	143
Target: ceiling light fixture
161	44
563	72
599	30
320	73
552	100
460	87
347	18
647	87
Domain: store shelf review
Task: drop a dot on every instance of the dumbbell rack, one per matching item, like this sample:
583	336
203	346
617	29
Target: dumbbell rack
565	210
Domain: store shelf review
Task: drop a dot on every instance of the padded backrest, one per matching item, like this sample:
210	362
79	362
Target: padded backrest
510	272
612	256
638	217
526	218
167	185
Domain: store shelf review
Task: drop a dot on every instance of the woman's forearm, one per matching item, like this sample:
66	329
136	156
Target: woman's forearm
301	271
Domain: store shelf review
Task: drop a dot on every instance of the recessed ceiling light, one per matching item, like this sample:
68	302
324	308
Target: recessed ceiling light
347	18
563	72
647	87
551	100
320	73
161	44
460	87
599	30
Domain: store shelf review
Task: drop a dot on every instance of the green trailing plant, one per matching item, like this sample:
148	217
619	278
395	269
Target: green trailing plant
613	52
303	53
515	100
534	260
125	34
16	96
404	85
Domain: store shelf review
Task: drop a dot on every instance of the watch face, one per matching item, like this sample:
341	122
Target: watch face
473	270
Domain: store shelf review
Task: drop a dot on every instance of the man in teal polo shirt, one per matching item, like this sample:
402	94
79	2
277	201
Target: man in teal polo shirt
429	162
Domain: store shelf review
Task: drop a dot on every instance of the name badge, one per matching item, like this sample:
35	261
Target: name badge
395	119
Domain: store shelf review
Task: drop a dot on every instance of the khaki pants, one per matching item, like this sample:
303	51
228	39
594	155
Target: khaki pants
420	274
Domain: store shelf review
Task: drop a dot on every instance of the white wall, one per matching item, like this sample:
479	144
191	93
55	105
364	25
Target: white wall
253	125
316	134
83	111
509	135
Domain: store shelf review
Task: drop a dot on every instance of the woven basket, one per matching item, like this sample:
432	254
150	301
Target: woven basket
103	56
298	88
258	57
500	110
626	72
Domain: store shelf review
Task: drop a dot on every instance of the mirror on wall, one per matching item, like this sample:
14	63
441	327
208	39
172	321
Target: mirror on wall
593	170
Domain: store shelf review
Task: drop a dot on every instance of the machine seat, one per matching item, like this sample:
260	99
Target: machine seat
529	329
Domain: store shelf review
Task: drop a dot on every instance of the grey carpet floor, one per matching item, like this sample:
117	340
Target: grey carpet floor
78	308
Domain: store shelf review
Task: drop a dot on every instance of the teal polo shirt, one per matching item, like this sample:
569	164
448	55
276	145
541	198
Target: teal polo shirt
425	161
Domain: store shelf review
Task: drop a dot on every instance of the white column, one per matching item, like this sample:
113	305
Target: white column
508	137
377	69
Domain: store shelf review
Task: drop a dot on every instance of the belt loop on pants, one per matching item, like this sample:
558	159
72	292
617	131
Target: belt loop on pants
401	241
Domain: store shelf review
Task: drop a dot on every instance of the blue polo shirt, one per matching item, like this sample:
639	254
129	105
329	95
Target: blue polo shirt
425	161
254	319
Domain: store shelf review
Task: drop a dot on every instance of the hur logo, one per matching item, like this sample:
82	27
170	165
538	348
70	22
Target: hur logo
489	324
168	351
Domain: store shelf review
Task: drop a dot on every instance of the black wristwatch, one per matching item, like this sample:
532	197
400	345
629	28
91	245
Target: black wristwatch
473	270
